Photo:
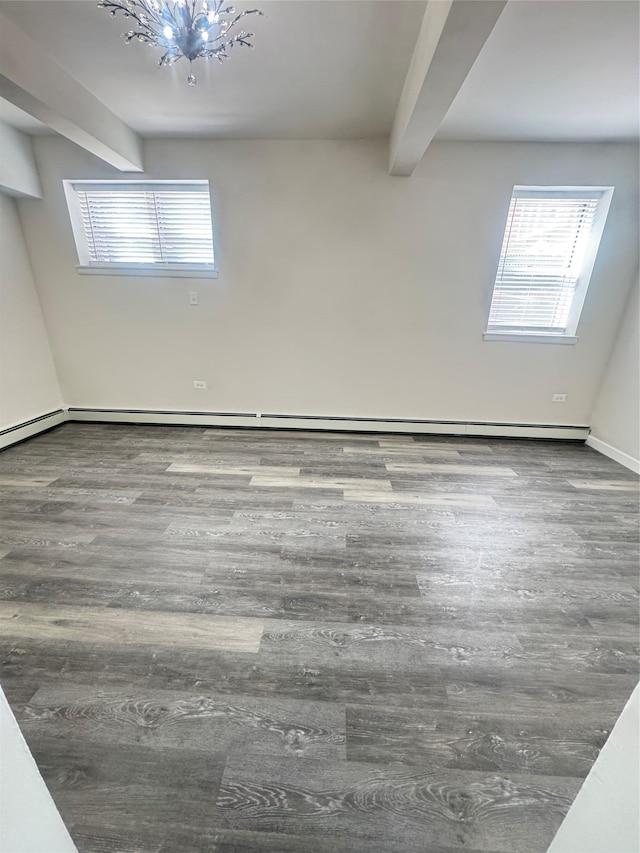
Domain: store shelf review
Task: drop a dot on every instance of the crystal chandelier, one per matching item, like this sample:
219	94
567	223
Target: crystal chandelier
189	28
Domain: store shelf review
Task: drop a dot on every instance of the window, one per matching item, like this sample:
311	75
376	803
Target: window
548	251
160	228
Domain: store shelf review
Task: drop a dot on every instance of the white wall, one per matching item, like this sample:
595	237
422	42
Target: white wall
29	820
605	814
616	415
28	382
343	291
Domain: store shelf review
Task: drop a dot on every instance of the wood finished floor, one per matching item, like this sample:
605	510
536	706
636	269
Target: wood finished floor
263	642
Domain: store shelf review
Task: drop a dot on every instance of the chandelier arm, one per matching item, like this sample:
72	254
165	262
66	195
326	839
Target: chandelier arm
153	14
241	15
169	58
235	21
242	38
221	36
113	6
221	49
216	52
139	36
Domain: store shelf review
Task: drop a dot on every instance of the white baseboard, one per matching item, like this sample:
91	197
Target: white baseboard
307	422
613	453
18	432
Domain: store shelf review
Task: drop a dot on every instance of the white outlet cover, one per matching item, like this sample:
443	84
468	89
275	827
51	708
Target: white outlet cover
559	398
200	384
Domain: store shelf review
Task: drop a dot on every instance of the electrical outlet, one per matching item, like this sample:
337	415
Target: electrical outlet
559	398
200	384
193	297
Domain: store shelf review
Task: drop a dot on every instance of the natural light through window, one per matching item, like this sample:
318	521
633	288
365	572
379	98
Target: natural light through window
161	228
549	247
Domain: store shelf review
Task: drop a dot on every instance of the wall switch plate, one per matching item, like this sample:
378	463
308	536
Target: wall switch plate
200	384
559	398
193	297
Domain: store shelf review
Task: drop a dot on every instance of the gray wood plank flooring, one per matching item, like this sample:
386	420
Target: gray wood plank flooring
285	642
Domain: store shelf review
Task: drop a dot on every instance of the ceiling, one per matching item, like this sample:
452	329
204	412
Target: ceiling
558	70
319	69
550	70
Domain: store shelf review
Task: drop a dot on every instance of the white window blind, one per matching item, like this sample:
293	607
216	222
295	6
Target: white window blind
547	238
162	225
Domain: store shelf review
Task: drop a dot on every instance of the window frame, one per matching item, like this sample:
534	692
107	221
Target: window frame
86	267
569	336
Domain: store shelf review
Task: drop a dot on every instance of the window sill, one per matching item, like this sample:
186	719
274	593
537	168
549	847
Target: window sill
528	338
157	272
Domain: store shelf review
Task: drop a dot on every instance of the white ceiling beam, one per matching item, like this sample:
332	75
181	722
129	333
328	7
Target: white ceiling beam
18	171
32	80
452	35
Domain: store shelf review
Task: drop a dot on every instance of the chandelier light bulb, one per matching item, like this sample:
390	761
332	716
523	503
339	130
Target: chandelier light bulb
182	29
